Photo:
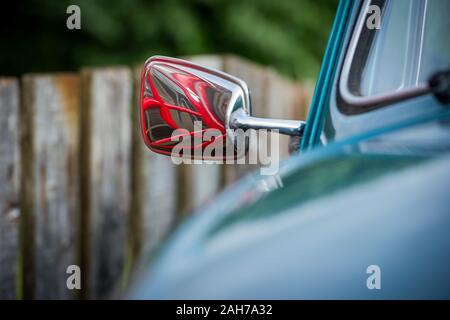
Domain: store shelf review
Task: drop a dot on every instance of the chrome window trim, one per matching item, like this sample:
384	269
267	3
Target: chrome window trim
355	103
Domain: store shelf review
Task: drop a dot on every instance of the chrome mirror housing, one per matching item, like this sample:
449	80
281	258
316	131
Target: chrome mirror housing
180	100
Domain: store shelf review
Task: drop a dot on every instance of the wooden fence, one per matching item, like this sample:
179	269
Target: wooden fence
78	186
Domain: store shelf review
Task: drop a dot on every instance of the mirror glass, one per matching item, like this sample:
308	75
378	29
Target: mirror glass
185	108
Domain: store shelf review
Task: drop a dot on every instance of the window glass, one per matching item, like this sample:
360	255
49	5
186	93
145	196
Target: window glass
411	45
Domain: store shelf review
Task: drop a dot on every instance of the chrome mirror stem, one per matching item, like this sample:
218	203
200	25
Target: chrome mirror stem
241	120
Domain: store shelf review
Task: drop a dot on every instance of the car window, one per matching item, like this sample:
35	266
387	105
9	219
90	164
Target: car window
410	45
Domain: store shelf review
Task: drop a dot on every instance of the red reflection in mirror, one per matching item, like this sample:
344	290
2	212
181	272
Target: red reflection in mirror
178	97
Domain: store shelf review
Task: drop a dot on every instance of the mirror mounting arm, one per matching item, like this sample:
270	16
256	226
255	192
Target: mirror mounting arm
242	120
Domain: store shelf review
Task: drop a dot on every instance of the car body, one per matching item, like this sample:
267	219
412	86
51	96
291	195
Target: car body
369	187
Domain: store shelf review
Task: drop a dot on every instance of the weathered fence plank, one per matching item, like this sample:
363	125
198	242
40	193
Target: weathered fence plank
256	78
154	201
9	186
49	183
306	92
283	102
273	96
105	161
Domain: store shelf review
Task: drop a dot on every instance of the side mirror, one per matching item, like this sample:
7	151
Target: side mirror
180	100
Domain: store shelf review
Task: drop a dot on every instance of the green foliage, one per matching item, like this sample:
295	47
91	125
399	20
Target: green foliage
289	35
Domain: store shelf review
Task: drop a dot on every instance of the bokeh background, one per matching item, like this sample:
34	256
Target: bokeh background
289	35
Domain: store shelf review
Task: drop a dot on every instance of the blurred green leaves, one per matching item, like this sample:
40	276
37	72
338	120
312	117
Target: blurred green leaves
289	35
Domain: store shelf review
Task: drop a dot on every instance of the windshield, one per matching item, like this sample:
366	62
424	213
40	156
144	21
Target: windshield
411	44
